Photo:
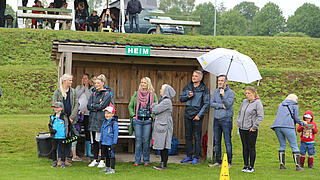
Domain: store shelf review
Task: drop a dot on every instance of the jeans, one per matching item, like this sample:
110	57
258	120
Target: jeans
136	20
248	139
290	134
222	126
67	150
55	144
193	128
142	130
304	147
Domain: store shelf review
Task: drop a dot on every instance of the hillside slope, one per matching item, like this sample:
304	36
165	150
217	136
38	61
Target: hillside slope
28	77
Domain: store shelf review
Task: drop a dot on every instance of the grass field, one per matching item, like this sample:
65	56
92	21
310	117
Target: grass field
18	158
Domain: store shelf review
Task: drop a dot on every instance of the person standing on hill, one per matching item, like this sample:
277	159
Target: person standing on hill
196	96
0	93
222	101
133	10
2	10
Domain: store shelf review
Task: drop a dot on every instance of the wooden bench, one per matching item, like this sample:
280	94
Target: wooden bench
158	22
124	133
45	16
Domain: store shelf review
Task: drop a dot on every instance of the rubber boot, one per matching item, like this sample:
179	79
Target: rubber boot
296	159
88	149
310	162
302	158
282	159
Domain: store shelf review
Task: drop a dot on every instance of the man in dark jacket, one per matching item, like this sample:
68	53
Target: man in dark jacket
133	10
2	10
93	21
222	102
196	96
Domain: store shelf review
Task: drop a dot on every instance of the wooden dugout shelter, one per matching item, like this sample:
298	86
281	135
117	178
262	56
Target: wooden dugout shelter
125	64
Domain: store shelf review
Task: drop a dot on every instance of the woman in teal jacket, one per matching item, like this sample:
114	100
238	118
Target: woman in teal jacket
141	119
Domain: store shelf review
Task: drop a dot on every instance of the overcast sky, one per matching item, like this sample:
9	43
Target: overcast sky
287	6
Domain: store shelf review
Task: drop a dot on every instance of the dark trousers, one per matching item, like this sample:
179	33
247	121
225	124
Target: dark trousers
55	143
85	124
193	128
164	156
108	155
2	22
94	27
248	140
134	17
222	126
94	145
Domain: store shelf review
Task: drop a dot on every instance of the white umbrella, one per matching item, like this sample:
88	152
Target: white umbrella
236	66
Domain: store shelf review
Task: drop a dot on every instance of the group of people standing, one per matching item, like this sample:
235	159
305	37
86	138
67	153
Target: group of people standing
151	119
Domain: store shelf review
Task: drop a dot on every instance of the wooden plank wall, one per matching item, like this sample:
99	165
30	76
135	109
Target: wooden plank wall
124	79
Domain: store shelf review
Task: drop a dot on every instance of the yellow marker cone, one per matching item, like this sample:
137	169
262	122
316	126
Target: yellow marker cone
224	174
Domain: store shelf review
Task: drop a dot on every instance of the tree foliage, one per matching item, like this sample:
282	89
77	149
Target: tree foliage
232	23
247	9
185	6
206	13
268	21
306	19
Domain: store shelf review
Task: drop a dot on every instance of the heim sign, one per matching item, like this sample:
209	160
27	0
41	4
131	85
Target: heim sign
138	51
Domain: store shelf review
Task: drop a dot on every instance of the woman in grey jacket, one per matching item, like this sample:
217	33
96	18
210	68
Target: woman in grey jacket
249	118
163	124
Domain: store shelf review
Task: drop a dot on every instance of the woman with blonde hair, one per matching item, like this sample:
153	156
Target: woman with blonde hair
249	118
284	126
99	100
68	96
141	119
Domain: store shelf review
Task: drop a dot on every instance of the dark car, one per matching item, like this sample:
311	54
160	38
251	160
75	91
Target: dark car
147	28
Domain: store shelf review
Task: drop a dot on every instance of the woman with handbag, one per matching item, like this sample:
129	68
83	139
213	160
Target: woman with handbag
141	119
284	126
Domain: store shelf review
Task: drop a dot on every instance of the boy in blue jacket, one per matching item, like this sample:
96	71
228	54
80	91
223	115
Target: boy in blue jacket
59	126
108	140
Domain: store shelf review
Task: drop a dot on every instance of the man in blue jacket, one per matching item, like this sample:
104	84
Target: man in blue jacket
222	101
196	96
133	10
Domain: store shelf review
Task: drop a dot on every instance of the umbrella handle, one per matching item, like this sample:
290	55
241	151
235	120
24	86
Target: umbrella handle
228	71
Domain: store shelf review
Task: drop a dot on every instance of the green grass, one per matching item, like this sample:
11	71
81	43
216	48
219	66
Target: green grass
18	158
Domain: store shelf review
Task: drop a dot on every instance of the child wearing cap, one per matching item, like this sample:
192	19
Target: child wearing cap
59	126
108	140
307	138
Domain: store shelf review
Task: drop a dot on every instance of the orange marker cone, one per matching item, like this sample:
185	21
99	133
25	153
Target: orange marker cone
224	174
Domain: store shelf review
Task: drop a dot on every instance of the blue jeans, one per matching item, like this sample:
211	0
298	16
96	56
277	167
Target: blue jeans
304	147
142	130
290	134
222	126
193	128
136	21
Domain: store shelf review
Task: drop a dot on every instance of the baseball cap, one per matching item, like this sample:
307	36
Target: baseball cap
57	105
307	116
110	109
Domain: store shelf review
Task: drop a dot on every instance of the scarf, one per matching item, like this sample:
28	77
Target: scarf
143	99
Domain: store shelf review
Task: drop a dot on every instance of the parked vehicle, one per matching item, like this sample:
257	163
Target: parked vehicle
147	28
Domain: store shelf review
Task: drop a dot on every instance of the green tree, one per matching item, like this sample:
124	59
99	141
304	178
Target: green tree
185	6
268	21
247	9
175	10
306	19
232	23
206	13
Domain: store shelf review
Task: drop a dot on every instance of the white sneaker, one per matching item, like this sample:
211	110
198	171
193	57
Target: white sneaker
93	163
250	170
101	164
245	169
111	171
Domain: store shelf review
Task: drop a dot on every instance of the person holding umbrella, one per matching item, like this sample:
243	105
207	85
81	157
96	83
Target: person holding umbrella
249	118
196	96
222	101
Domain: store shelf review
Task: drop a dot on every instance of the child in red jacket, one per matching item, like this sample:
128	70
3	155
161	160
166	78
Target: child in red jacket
307	138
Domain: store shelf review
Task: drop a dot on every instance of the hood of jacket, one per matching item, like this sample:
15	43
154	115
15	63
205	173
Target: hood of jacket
308	112
169	92
288	102
201	87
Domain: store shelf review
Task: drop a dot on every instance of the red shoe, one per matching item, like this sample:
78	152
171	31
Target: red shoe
136	164
146	164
